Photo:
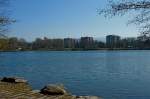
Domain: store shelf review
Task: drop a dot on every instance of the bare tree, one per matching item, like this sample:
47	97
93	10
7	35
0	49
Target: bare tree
139	9
5	20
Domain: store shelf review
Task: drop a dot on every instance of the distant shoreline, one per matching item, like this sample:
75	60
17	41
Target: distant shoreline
100	49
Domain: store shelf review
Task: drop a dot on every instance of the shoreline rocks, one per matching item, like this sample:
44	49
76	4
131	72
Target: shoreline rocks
14	80
48	90
87	97
52	89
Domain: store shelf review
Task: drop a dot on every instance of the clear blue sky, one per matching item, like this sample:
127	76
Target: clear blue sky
65	18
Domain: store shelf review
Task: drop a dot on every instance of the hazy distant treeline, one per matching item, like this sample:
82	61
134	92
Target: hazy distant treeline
15	44
84	43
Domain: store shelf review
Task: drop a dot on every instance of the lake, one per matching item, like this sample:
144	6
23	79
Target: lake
110	74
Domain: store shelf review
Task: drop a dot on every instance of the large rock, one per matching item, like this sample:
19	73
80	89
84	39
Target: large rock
54	90
14	80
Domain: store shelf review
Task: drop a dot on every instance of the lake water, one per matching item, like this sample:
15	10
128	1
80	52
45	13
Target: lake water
110	74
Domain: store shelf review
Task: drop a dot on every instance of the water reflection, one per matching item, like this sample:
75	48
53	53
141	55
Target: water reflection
112	62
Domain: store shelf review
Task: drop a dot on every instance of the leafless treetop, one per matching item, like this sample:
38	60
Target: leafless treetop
139	9
4	17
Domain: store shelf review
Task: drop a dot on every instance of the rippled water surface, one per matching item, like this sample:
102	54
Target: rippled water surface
110	74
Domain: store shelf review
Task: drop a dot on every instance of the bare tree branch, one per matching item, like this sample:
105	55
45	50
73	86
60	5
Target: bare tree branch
139	9
5	20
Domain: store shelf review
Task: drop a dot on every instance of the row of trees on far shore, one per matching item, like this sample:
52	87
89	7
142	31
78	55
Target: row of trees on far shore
16	44
84	43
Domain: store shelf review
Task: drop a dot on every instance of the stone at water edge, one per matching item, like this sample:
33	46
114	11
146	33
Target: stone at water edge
54	90
87	97
18	80
14	80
